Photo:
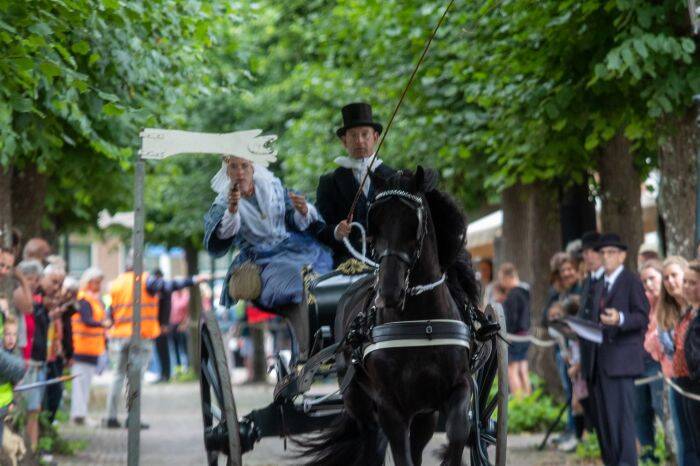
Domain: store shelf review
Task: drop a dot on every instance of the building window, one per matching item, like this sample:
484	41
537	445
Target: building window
79	258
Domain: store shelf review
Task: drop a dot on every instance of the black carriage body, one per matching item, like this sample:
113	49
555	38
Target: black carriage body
327	291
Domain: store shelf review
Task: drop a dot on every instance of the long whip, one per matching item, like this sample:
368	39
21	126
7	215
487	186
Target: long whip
403	95
396	109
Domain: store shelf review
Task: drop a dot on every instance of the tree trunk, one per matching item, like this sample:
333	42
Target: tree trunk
195	310
620	192
6	206
531	235
677	198
28	203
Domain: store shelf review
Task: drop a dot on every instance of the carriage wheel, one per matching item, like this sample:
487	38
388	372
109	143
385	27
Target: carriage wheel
221	435
492	432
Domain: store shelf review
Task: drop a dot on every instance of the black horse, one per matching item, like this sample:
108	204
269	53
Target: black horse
396	394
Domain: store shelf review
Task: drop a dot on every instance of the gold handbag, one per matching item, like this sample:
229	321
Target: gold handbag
245	282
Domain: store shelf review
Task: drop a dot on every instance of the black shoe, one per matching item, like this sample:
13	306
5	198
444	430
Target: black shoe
111	423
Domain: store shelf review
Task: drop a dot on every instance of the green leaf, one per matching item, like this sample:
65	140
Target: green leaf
112	109
23	63
49	69
634	131
7	27
613	61
81	48
627	56
688	45
665	103
41	29
21	104
591	142
108	96
640	48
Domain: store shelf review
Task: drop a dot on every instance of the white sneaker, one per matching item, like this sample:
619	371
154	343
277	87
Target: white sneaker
568	445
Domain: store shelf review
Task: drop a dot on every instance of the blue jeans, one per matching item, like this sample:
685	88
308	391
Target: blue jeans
566	384
687	456
648	405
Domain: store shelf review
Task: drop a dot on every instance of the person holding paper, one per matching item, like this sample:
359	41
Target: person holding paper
622	310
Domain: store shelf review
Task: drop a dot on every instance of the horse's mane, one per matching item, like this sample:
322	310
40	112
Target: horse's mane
450	225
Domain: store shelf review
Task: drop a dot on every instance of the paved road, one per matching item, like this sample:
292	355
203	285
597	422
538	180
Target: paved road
175	434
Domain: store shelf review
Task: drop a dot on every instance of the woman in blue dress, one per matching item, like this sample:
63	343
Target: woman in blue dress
269	226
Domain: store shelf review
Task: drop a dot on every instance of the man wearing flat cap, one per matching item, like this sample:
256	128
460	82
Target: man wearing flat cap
620	306
336	190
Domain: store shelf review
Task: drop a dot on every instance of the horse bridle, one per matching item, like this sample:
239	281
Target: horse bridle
415	203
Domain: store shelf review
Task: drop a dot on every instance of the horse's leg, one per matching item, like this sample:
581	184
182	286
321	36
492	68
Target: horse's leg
371	443
457	425
396	428
422	429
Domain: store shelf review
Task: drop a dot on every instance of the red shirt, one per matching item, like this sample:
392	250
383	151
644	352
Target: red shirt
680	365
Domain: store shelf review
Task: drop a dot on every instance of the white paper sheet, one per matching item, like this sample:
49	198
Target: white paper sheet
585	329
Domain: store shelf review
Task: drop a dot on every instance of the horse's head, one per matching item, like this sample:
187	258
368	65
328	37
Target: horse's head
400	224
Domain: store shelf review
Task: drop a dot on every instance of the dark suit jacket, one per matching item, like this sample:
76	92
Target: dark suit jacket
586	310
334	196
621	354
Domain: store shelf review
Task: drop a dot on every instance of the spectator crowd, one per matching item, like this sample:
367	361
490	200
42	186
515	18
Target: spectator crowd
55	328
640	358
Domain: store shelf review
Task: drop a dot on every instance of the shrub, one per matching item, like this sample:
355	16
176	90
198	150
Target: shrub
534	413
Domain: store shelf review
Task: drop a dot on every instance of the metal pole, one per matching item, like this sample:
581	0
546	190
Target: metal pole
134	361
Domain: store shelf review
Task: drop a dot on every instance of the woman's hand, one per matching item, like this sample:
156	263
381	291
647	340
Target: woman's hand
299	202
233	197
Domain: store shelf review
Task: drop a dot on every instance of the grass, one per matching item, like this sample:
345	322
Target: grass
183	374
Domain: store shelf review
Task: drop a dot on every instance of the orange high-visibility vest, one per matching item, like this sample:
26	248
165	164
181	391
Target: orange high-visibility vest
122	293
88	341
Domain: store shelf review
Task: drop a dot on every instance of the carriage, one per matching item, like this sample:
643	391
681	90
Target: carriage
295	410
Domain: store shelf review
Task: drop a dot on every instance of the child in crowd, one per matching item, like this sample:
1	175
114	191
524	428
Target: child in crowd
12	444
9	343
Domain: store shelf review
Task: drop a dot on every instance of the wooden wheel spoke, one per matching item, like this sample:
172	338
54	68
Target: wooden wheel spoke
211	381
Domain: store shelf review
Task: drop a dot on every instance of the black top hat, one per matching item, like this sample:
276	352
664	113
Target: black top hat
610	240
357	114
589	240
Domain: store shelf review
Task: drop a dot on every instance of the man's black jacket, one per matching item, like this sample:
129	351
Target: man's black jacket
334	196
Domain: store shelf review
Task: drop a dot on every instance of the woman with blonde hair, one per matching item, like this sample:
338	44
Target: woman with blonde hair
649	397
659	341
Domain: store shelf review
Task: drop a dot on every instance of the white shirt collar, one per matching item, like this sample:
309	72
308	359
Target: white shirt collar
357	164
595	275
610	279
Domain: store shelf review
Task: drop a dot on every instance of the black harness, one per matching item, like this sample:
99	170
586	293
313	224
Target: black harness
365	336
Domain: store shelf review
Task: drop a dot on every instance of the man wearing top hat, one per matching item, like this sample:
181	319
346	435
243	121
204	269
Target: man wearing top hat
620	306
336	190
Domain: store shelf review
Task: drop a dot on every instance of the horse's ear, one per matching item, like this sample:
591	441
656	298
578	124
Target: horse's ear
378	181
426	179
